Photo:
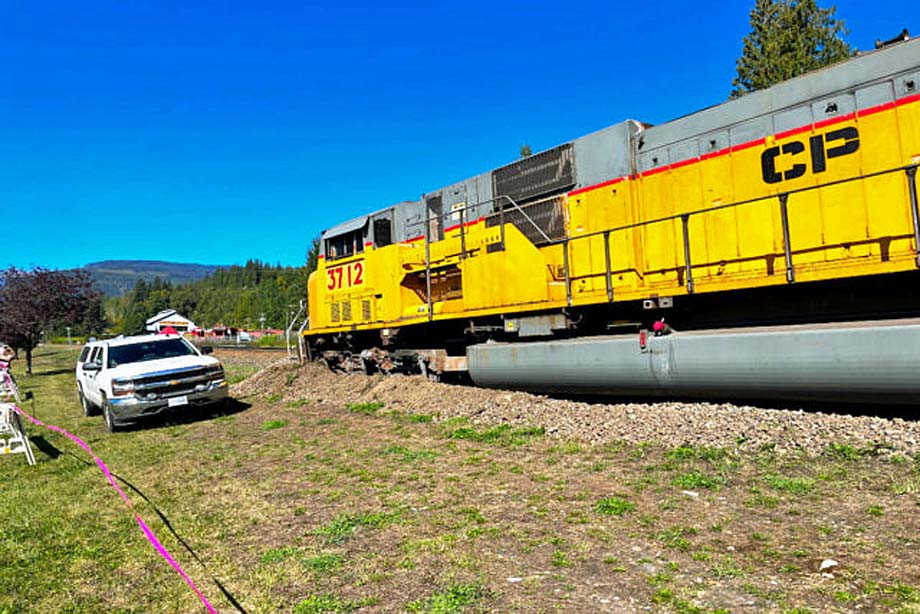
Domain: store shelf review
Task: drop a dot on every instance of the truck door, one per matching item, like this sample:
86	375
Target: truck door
90	379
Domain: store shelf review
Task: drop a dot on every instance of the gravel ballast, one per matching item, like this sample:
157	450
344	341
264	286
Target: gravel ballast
665	423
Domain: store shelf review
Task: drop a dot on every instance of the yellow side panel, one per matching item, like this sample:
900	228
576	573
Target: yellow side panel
838	228
515	276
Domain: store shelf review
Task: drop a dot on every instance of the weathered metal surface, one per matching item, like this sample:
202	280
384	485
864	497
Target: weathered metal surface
866	362
537	326
541	174
437	361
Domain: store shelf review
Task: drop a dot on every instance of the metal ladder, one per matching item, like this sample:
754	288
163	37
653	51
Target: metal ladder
13	438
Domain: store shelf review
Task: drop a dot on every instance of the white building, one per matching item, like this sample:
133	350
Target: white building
170	318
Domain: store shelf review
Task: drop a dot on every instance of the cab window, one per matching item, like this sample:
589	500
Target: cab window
345	245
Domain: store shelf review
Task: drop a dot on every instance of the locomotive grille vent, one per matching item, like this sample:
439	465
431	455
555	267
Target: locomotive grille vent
548	215
539	175
334	312
365	310
346	310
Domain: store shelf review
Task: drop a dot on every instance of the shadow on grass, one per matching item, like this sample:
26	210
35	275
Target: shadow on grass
189	415
52	372
45	446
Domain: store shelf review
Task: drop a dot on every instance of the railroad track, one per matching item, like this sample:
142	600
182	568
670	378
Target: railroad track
249	348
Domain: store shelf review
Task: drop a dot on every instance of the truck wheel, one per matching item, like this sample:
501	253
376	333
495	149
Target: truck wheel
88	408
110	424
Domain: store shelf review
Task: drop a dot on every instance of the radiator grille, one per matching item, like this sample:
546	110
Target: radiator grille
335	314
346	310
543	174
365	310
548	215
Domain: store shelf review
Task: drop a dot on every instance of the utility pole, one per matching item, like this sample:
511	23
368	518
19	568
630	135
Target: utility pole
68	335
262	322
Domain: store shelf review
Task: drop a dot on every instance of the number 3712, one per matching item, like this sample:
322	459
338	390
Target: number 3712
345	276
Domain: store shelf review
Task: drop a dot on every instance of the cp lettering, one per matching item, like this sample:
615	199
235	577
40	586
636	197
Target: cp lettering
792	158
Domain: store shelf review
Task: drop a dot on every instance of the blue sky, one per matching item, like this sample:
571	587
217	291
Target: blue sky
215	132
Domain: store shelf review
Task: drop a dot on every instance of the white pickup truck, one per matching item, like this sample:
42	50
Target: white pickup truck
131	377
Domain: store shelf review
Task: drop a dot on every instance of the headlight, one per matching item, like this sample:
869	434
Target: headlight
216	372
122	387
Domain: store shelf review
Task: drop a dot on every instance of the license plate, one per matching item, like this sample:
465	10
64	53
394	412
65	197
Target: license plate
177	401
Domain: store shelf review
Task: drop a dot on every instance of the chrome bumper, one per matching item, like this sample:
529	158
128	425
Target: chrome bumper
128	408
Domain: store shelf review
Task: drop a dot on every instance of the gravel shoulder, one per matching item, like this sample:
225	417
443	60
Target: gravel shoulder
668	424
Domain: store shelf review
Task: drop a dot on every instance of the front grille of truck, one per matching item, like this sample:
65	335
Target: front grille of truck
172	383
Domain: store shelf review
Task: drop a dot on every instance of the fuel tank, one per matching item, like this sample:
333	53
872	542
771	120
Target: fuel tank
858	361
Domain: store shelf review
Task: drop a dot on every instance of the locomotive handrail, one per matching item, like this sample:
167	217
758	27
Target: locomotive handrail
910	170
462	212
501	211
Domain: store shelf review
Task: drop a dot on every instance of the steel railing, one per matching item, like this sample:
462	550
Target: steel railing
782	198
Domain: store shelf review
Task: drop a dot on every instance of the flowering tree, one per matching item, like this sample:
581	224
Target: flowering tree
32	302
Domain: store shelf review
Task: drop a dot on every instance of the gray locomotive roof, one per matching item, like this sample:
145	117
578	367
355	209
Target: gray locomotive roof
842	77
349	226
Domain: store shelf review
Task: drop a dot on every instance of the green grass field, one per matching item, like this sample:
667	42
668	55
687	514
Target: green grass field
297	505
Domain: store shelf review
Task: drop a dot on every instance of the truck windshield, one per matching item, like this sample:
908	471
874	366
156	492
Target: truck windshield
148	350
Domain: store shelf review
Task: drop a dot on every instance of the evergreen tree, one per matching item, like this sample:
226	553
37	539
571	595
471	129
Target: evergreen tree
788	38
313	255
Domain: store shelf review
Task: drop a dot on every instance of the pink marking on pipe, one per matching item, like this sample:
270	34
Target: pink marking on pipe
105	470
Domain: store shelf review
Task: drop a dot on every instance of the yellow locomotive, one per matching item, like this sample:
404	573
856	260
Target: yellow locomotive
797	203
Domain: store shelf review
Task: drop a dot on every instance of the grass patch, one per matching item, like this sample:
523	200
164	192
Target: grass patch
796	486
502	434
690	452
411	456
697	479
270	425
675	538
237	373
276	555
317	604
454	598
614	506
323	563
343	526
411	418
365	408
849	452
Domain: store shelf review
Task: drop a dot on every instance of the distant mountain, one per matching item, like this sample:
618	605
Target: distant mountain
114	277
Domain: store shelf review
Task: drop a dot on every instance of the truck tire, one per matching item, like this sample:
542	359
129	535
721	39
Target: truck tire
110	424
88	408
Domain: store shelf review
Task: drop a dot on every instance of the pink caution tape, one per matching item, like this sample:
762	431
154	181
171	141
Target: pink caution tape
105	470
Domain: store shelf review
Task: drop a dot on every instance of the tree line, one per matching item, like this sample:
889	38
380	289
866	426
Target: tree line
247	296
